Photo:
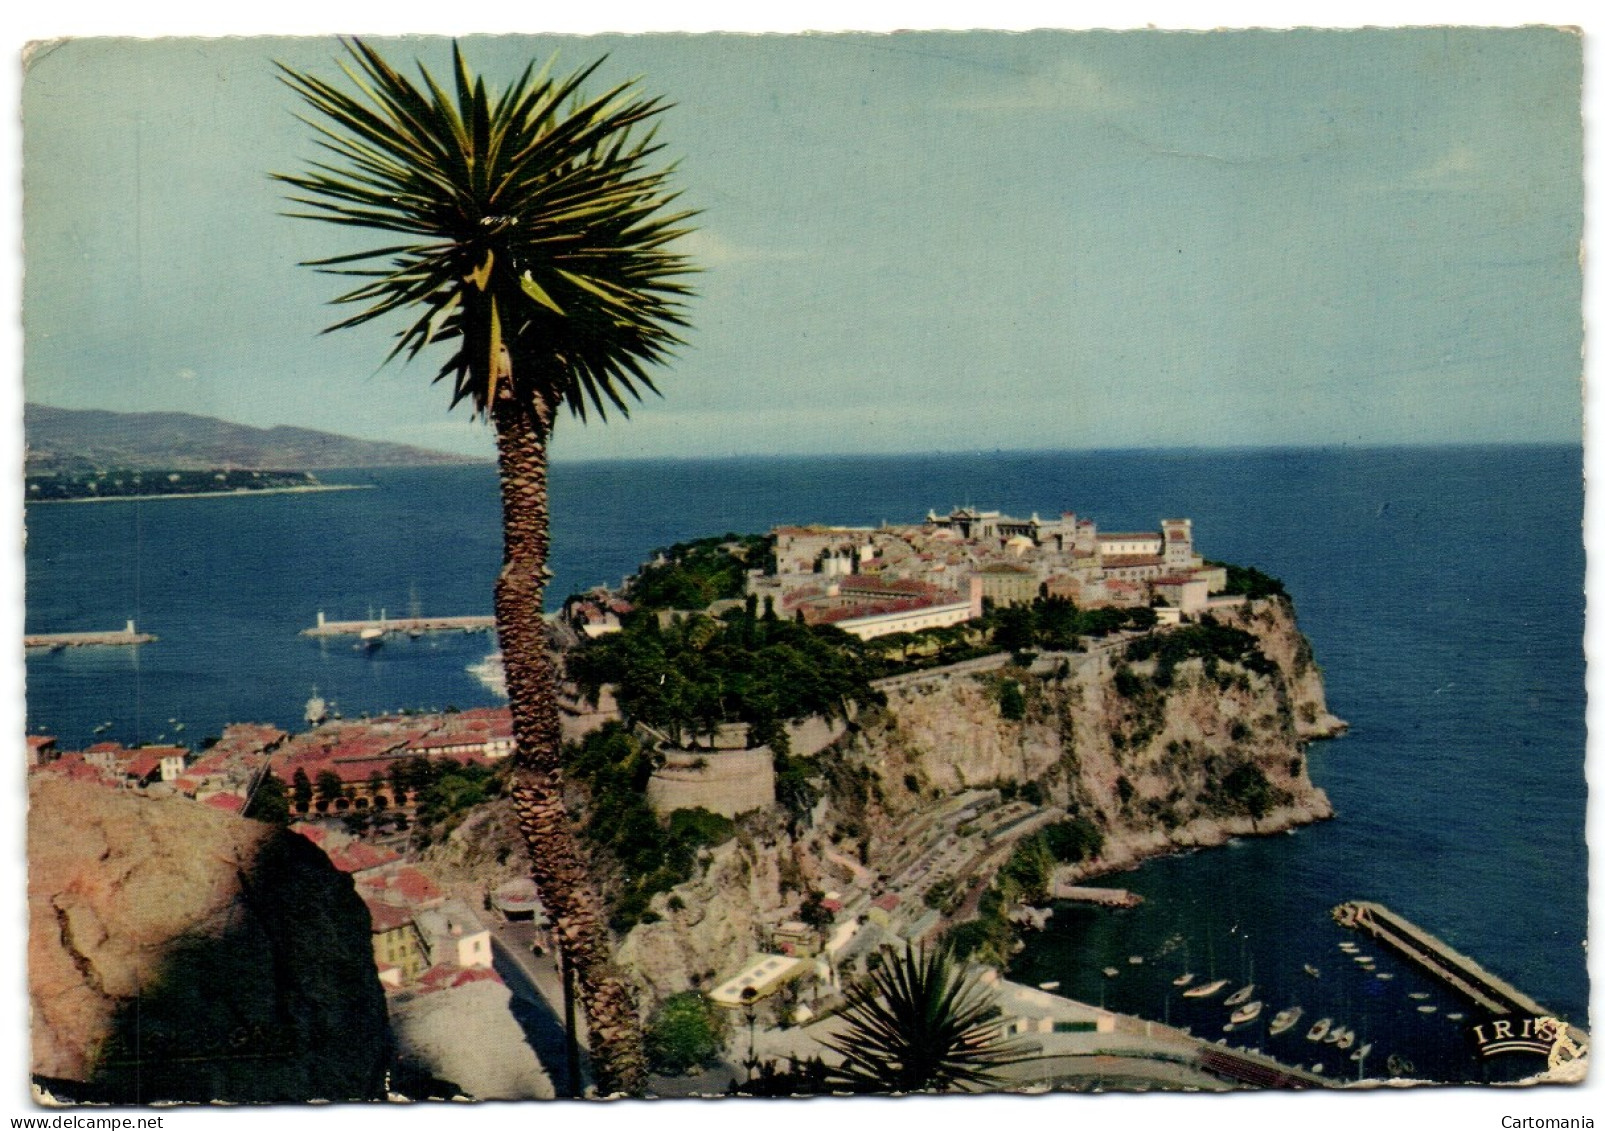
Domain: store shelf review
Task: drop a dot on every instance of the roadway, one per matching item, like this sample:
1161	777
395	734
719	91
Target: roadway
537	1003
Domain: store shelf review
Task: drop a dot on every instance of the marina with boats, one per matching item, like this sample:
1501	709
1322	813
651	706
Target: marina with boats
1388	1012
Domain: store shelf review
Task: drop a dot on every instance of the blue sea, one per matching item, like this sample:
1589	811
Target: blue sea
1442	590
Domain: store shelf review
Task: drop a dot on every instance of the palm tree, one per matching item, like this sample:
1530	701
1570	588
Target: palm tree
533	240
921	1023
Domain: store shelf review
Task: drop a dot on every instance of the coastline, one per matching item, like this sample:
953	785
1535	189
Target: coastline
300	490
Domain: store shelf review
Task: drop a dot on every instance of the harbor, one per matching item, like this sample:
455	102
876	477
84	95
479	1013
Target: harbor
1437	958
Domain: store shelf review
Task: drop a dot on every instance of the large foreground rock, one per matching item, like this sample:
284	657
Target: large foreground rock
180	953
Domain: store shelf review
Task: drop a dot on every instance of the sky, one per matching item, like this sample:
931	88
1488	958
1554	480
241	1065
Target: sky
913	242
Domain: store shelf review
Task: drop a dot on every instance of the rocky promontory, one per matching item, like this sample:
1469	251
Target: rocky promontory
1163	742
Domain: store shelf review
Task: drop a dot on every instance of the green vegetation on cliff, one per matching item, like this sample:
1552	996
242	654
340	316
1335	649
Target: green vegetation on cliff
693	575
647	854
1246	581
687	677
1209	640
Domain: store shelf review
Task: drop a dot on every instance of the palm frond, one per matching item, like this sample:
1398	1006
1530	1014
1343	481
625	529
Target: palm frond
920	1022
539	225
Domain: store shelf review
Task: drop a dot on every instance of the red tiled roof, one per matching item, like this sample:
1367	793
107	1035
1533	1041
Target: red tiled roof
386	916
359	857
888	902
1121	561
447	976
317	834
862	582
400	882
74	767
143	765
228	802
878	608
40	741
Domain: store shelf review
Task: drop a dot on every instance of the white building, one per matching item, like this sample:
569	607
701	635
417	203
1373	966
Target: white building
453	933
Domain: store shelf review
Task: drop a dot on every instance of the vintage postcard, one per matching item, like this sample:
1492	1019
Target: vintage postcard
804	565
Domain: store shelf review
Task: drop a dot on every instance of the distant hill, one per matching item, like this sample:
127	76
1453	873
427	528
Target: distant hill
62	439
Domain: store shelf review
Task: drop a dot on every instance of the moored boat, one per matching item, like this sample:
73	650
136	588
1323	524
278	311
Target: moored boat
1242	995
1360	1053
1311	971
1247	1013
1209	989
1110	971
1182	979
1047	985
1286	1019
1336	1035
1320	1029
1346	1040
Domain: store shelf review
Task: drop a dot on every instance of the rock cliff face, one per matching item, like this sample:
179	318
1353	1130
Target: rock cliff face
706	923
179	953
1162	756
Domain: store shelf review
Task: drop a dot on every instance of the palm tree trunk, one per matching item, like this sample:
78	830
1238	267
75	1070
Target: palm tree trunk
557	864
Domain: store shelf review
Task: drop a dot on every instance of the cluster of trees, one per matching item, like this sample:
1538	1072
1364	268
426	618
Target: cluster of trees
1250	582
687	677
441	791
1244	789
1057	624
693	575
648	854
931	647
684	1033
1214	642
269	801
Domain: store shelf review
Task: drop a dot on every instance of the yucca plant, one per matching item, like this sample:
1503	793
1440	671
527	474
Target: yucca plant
534	243
921	1022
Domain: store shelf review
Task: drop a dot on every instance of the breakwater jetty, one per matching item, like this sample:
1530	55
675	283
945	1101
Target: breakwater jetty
385	626
53	640
1103	897
1436	957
